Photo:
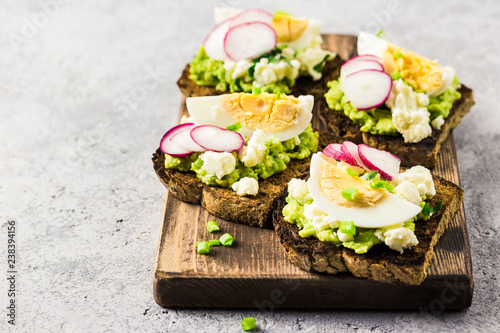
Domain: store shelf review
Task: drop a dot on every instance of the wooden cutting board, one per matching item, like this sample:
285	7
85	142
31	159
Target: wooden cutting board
254	272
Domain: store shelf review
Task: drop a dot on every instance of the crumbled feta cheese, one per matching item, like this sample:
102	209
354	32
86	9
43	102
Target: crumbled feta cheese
320	220
310	58
299	190
255	149
409	112
437	122
344	237
421	177
408	191
219	164
268	72
246	186
397	238
241	69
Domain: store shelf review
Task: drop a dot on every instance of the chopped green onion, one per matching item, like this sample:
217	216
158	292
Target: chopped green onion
197	243
426	210
389	187
226	239
347	227
319	66
278	94
234	127
370	176
248	323
396	75
350	193
381	34
376	184
214	242
203	248
256	90
351	172
437	208
212	226
398	54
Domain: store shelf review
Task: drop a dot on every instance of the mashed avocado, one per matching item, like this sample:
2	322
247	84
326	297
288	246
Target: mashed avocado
274	160
209	72
379	120
363	240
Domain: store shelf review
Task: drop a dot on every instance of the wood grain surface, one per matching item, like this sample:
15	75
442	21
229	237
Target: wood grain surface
254	272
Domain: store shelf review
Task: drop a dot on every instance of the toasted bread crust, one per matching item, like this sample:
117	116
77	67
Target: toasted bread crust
225	203
304	85
380	263
421	153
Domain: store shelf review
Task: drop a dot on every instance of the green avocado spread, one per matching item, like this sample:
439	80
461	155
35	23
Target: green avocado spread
274	160
379	120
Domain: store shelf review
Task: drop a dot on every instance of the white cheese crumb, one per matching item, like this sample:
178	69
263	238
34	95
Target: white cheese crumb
408	191
246	186
255	149
219	164
421	177
398	238
437	122
299	190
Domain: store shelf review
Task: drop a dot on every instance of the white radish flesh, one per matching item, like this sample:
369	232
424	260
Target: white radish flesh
351	156
217	139
184	140
353	66
249	40
252	15
384	162
214	42
367	89
170	148
333	150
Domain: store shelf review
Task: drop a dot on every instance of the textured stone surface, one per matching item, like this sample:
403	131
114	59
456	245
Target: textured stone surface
87	90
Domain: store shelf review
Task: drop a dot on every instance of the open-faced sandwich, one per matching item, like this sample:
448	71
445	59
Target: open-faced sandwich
359	212
396	100
237	152
254	49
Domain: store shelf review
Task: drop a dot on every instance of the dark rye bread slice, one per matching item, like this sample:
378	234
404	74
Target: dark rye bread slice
225	203
380	263
304	85
421	153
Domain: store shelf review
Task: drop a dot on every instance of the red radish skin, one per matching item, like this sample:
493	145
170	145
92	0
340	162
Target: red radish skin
249	40
183	139
251	15
365	57
214	42
172	149
351	156
384	162
333	150
367	88
217	139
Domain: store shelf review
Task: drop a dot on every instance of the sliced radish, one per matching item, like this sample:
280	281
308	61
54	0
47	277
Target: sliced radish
251	15
351	156
183	139
214	42
333	150
367	89
353	66
366	57
249	40
217	139
170	148
386	163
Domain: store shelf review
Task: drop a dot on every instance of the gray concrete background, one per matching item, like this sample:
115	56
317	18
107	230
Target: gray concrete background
86	91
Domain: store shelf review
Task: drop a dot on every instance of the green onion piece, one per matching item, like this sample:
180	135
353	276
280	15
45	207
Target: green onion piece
248	323
203	248
214	242
226	239
319	66
377	184
370	176
426	210
197	244
381	34
437	208
278	95
398	54
396	75
212	226
351	172
234	127
389	187
347	227
350	193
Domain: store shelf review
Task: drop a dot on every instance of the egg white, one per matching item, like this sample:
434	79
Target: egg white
388	211
207	110
310	33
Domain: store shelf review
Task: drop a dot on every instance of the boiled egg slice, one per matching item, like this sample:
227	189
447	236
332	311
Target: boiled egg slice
294	32
284	118
421	72
376	210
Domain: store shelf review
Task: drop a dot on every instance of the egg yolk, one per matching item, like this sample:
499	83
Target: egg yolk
333	181
265	111
288	28
420	72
